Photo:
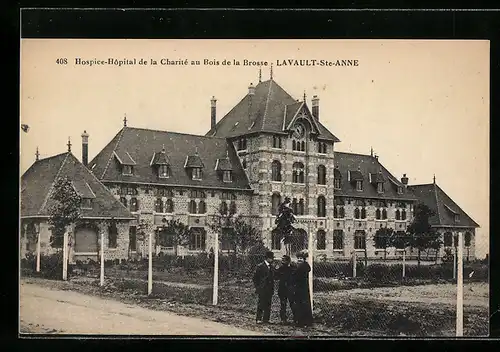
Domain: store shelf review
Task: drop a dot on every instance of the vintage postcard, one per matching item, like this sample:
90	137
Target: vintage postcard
333	188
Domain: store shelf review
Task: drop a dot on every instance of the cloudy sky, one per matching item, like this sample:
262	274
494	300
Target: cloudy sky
422	105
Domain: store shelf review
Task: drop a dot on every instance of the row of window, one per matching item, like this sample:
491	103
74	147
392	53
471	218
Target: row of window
168	206
164	171
241	144
165	192
449	240
197	239
338	210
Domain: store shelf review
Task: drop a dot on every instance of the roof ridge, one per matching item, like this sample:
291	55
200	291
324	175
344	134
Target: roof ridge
113	151
336	152
47	196
173	132
437	204
267	104
50	157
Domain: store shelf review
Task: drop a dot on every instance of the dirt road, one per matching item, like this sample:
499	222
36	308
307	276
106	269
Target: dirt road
69	312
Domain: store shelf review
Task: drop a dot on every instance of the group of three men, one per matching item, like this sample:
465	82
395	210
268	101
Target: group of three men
293	289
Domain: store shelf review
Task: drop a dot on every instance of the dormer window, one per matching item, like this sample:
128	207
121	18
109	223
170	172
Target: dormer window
380	187
400	190
163	171
127	170
196	173
242	144
359	186
86	203
226	176
457	217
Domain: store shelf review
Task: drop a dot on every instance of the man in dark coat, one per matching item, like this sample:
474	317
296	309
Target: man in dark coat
263	280
302	298
285	288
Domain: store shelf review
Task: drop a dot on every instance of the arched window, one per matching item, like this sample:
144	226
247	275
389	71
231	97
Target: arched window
275	202
363	213
112	235
298	172
356	213
359	239
335	212
448	239
321	240
303	146
321	175
134	204
202	208
169	206
159	205
321	207
378	214
467	239
294	145
123	200
276	170
301	207
403	214
192	207
398	214
384	214
232	207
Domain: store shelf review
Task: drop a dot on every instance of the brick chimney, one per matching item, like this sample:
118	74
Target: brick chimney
213	112
315	107
85	148
404	180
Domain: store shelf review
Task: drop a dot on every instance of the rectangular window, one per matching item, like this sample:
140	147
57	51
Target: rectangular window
400	190
127	170
457	217
276	142
112	236
197	240
338	239
359	185
132	237
336	183
164	171
275	241
380	187
226	176
196	173
359	240
321	240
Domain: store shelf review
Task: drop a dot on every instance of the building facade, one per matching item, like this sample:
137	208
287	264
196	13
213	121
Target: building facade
268	147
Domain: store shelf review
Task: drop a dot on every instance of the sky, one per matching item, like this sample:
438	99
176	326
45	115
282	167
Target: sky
423	106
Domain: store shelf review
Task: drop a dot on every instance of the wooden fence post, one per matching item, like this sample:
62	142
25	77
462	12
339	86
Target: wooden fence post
460	287
150	264
38	250
404	261
215	294
102	258
354	263
65	257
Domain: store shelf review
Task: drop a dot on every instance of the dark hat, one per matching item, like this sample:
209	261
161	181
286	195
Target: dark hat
269	255
287	258
303	255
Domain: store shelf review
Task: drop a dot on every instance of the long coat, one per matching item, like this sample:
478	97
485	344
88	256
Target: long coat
263	279
285	276
302	297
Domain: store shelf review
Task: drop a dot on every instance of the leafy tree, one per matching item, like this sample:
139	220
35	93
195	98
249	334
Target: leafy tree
284	221
143	230
235	231
383	239
421	234
179	231
64	211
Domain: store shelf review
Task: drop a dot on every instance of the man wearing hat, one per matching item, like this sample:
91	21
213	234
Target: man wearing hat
263	280
303	311
285	287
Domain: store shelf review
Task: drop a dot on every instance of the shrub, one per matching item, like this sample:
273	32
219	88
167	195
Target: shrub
336	269
256	254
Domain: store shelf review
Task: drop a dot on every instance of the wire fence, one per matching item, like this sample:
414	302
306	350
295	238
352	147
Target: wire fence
195	278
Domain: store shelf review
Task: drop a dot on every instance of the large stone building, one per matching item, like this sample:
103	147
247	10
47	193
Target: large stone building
269	146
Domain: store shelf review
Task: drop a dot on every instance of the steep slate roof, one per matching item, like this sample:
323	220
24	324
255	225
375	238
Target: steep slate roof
180	149
270	109
366	164
37	184
444	207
